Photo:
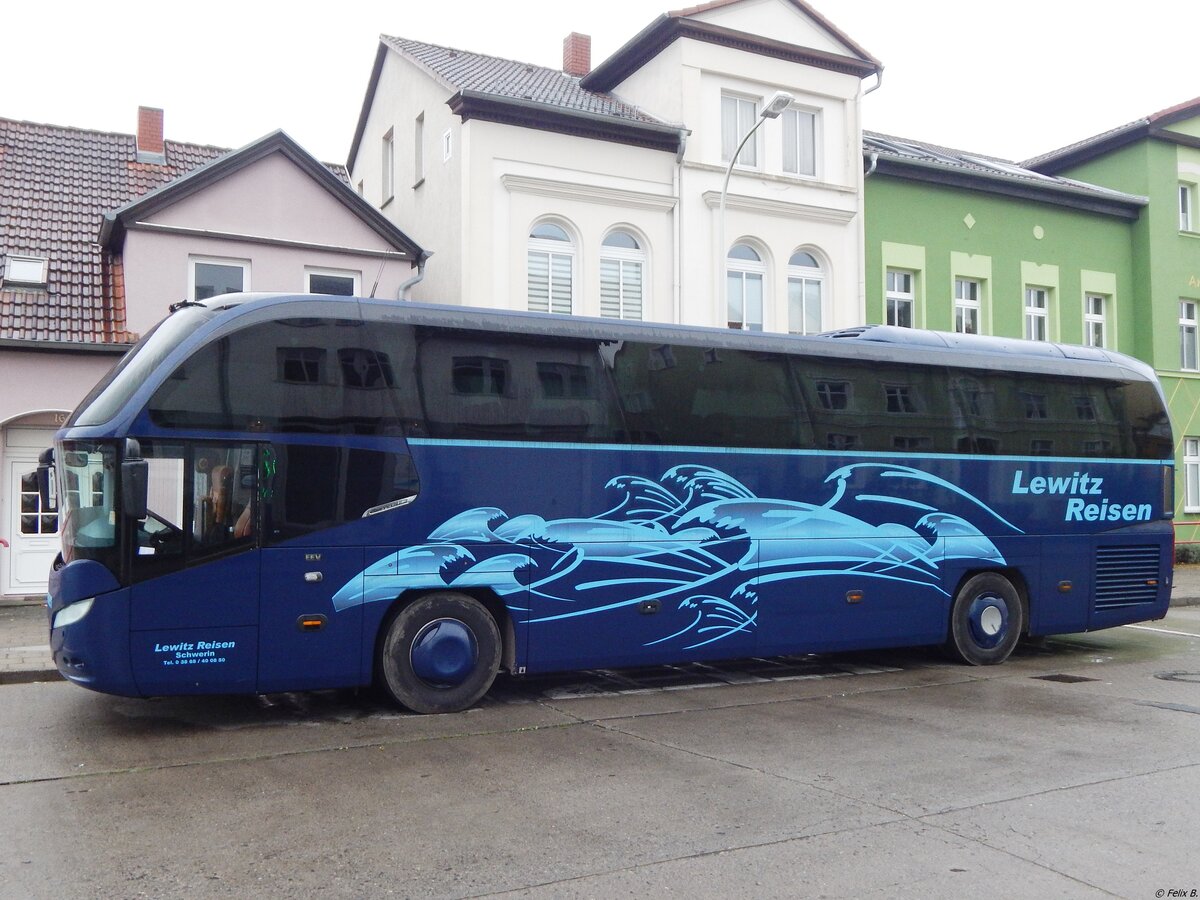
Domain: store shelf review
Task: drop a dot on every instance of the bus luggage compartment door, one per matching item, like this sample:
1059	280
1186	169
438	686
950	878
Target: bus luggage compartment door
305	643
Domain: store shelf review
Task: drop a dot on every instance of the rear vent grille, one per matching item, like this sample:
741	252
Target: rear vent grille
1126	576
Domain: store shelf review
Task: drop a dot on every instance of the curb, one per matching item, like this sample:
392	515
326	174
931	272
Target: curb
30	675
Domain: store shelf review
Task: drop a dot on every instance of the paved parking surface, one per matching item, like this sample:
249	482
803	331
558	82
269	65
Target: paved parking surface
1072	771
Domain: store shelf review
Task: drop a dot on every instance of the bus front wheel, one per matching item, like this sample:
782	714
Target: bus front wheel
440	654
985	621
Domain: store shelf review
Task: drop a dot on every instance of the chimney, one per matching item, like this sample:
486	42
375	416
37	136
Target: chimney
577	54
150	135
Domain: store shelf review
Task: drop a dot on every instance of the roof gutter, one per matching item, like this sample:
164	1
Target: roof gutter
1124	206
86	347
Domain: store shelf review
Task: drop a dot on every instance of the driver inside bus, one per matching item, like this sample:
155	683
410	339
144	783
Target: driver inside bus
220	525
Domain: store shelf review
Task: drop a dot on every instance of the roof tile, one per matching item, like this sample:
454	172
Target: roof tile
56	183
515	80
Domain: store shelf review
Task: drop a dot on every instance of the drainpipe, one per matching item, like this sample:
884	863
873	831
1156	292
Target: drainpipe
402	291
862	225
878	82
677	220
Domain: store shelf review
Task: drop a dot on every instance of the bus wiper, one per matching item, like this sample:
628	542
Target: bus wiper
174	307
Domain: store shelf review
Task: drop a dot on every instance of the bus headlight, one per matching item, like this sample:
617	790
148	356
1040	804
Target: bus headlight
69	615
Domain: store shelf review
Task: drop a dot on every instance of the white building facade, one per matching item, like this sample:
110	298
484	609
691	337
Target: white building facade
598	192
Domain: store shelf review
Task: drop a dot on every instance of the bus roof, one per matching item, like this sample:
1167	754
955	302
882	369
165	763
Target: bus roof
880	342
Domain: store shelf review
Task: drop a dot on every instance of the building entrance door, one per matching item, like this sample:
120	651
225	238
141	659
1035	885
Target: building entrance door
32	532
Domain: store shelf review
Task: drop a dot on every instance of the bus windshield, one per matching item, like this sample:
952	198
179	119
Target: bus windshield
87	478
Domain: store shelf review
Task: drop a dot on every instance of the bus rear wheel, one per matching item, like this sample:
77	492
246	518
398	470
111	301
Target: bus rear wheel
440	654
986	621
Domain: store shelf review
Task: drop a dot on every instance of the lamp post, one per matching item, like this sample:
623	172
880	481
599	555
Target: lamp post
774	107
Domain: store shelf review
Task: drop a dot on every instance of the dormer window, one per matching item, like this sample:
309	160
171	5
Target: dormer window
26	270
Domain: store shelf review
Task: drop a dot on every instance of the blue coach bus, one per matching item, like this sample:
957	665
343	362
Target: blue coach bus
278	493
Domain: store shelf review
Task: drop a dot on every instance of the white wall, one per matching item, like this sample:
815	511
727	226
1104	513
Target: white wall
520	176
431	211
475	215
778	212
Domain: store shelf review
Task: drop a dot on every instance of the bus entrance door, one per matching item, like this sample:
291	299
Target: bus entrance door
304	642
195	630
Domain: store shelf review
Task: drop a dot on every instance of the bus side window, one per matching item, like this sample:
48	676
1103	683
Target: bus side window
317	487
223	488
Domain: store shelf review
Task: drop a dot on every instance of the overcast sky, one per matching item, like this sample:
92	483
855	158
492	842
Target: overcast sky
1011	79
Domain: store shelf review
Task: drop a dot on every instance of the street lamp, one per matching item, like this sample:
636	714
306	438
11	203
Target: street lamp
779	101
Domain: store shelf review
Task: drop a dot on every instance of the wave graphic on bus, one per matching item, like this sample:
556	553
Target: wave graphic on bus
697	541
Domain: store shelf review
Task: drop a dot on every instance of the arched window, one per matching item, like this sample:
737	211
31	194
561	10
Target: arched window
744	274
550	269
622	267
806	285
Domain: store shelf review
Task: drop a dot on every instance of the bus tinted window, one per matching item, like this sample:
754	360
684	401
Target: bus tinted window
673	394
291	376
314	487
488	386
335	376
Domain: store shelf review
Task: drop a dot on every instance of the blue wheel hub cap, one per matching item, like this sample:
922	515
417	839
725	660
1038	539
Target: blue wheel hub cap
444	653
988	616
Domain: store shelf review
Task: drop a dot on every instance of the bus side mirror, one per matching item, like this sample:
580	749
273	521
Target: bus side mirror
135	481
47	481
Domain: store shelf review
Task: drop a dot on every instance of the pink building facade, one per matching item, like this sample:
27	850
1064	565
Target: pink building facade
101	233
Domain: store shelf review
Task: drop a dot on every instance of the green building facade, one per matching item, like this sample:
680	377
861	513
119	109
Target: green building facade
1095	244
1159	158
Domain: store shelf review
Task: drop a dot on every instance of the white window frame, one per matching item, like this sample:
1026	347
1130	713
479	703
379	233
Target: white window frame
802	277
356	277
793	117
967	303
1187	206
193	261
744	269
1191	475
626	260
26	270
552	250
1189	351
388	166
896	297
743	107
1037	313
1095	320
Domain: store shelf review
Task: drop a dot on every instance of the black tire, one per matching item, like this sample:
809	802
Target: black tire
440	654
986	621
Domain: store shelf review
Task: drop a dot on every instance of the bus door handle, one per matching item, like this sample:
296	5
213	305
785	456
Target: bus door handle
313	577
